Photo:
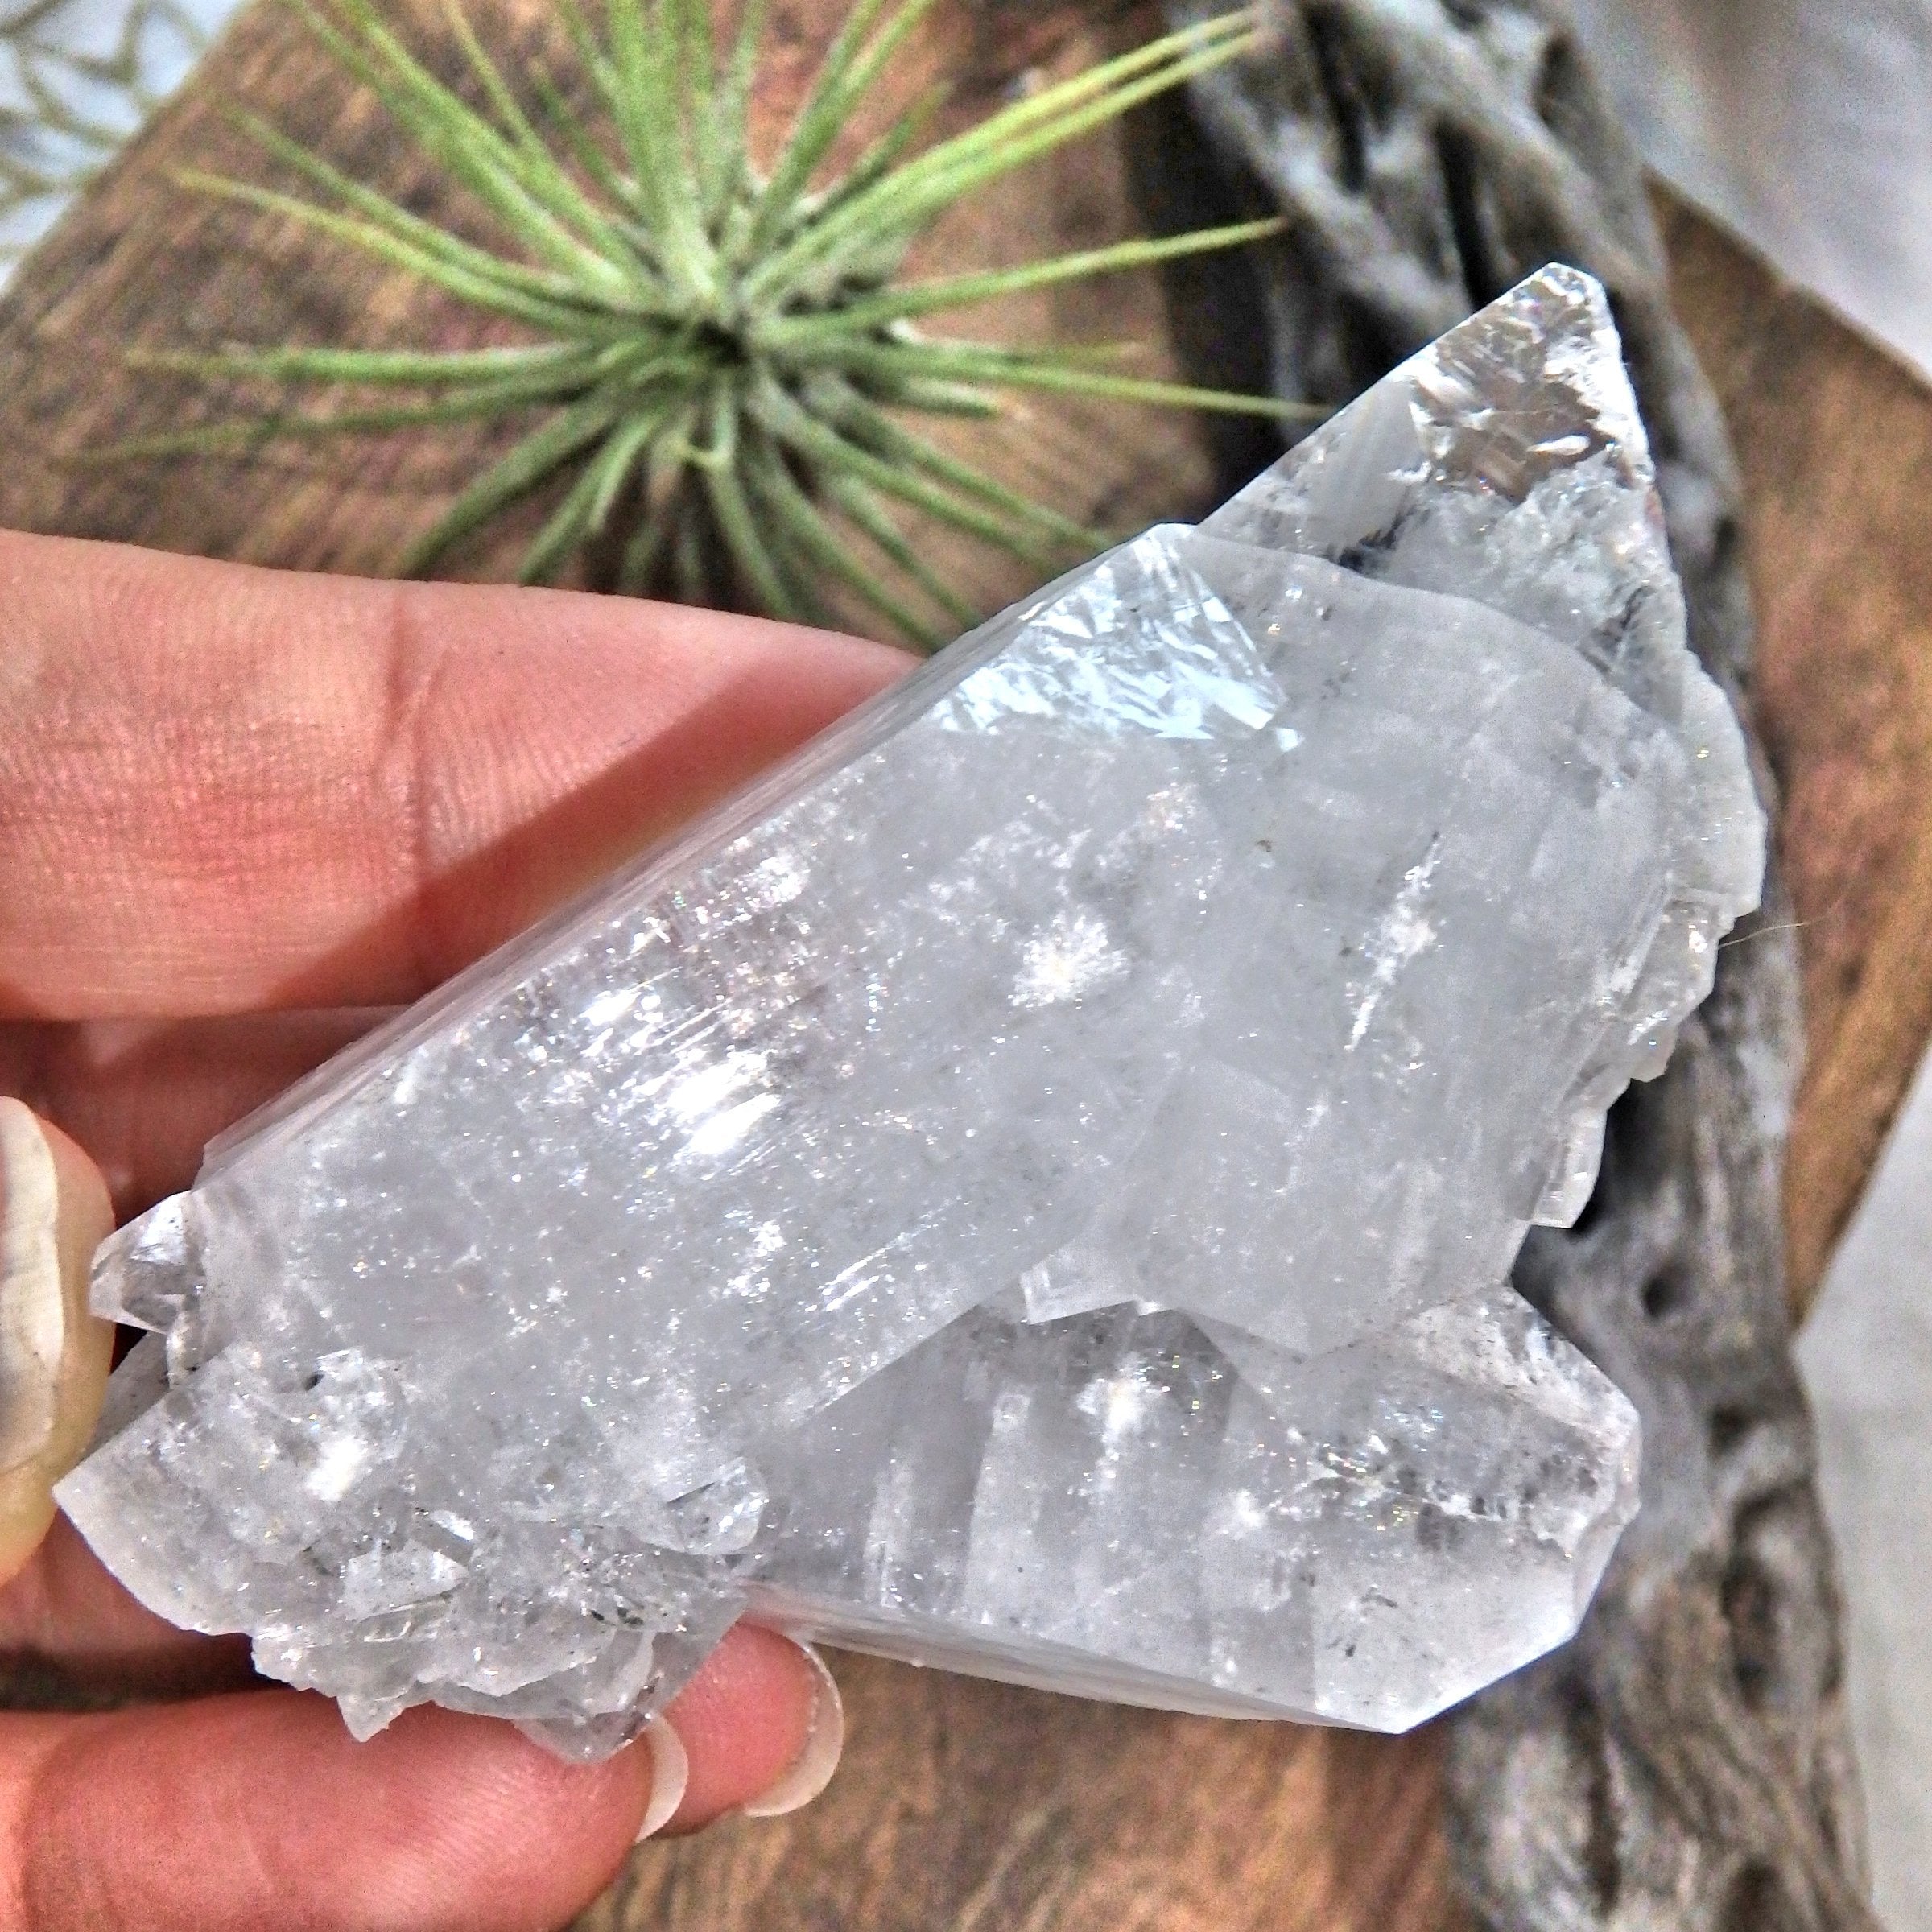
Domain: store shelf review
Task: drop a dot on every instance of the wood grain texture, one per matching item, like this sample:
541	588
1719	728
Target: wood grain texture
964	1805
1834	438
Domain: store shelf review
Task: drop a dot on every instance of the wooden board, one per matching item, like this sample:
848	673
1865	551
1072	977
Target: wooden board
971	1807
1834	440
965	1806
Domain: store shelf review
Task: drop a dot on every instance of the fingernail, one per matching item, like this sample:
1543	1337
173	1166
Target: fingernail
811	1771
54	1355
670	1774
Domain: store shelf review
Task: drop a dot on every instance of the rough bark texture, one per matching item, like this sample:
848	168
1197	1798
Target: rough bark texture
1685	1763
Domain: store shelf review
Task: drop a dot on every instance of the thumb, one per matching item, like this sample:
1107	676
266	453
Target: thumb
54	1356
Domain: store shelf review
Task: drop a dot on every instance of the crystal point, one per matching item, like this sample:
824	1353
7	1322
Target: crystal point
1031	1186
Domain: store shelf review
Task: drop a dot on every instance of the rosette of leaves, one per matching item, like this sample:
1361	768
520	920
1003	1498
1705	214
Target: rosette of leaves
724	365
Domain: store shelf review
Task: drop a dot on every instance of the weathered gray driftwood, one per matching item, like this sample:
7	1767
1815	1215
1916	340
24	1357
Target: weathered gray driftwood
1685	1762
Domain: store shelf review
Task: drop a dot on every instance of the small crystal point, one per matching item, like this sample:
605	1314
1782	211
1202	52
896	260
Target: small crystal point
1031	1187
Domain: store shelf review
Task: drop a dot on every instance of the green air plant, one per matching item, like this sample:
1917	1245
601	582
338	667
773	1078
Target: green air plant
722	360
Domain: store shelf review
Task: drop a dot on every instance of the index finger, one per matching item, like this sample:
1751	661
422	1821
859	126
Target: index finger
225	789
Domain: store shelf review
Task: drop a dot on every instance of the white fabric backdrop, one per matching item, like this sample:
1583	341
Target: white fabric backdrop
1866	1357
1805	125
77	77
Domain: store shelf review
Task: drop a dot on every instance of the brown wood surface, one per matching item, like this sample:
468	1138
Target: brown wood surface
971	1807
963	1805
1834	438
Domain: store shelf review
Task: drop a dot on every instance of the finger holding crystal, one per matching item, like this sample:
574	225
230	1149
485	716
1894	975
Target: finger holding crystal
54	1355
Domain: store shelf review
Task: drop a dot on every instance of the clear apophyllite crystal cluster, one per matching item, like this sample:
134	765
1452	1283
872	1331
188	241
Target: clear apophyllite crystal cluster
1031	1187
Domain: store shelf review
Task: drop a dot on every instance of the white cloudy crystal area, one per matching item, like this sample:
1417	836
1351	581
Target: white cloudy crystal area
1032	1186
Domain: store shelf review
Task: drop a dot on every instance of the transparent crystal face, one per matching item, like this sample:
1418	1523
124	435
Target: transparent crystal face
1031	1187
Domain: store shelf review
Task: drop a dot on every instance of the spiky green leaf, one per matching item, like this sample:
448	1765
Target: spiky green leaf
722	370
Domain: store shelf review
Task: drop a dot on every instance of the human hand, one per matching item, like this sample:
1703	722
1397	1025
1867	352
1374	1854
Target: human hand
240	814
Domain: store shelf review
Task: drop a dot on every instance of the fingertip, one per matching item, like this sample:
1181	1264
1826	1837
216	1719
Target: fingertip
762	1727
248	1810
54	1354
79	1626
669	1776
492	1816
424	769
808	1773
